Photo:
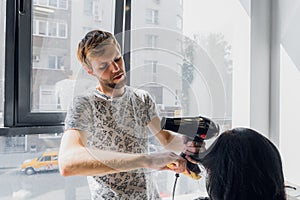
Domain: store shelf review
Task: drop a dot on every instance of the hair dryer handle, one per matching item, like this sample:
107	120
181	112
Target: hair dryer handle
194	168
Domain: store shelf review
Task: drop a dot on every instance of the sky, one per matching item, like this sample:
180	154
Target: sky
210	16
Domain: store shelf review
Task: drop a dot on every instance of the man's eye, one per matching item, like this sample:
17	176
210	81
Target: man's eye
103	67
118	59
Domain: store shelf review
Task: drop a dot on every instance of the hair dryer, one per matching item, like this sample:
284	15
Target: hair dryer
195	129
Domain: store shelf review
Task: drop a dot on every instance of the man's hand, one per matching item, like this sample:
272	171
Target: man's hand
160	161
193	147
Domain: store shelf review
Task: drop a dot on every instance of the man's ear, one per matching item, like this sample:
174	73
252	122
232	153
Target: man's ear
88	69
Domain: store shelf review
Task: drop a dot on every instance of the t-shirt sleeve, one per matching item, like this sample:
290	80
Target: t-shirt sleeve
79	114
152	109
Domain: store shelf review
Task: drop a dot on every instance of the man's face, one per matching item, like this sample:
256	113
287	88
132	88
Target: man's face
109	68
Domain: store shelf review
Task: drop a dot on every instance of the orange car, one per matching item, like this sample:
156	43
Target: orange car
46	162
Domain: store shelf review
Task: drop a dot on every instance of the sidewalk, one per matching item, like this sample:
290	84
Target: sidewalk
15	160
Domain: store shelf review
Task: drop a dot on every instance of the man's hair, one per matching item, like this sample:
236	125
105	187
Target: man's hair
243	164
92	45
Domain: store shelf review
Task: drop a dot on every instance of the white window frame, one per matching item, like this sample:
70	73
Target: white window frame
51	90
56	62
58	30
36	31
179	22
152	16
58	4
153	64
151	40
38	28
89	11
97	11
50	136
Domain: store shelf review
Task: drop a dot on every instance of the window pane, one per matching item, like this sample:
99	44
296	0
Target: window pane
63	4
179	22
42	2
52	29
188	70
55	66
2	60
52	62
53	3
151	41
29	172
151	16
42	28
289	85
88	7
62	30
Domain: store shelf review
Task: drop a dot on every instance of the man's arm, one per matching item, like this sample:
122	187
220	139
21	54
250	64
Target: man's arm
77	159
169	140
173	141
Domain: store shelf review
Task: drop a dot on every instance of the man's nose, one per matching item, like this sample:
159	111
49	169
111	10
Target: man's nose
115	66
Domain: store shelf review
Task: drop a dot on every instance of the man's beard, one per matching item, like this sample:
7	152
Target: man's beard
115	85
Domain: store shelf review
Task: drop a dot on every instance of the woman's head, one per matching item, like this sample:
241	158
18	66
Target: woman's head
243	164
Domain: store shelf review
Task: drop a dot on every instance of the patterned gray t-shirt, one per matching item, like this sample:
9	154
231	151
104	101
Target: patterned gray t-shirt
116	124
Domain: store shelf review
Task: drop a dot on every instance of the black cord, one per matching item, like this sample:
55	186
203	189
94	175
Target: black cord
177	176
291	187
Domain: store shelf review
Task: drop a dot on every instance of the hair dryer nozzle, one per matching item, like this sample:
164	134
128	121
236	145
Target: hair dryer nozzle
193	127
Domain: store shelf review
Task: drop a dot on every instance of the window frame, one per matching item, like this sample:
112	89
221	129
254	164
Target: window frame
152	16
18	117
15	109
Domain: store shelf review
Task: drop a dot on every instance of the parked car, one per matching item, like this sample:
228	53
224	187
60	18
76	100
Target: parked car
48	161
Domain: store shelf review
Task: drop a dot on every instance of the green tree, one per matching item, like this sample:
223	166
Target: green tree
187	69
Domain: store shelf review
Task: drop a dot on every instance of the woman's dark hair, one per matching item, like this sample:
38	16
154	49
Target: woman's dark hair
244	165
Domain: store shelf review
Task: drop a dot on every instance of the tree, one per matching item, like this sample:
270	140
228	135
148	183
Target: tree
219	51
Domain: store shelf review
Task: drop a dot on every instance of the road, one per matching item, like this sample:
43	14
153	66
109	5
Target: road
43	186
50	185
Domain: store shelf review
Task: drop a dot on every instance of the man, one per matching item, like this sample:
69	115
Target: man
106	131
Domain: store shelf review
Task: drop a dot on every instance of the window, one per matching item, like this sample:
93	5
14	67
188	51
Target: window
49	29
48	100
93	8
55	62
52	29
42	28
41	2
88	7
151	16
37	54
195	53
50	136
215	38
62	30
151	41
47	60
54	157
45	158
179	22
97	11
2	56
179	46
157	1
58	4
53	3
287	80
151	66
63	4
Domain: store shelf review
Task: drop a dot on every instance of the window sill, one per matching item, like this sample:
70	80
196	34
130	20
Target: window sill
12	131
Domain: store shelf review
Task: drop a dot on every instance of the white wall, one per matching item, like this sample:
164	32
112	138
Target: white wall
289	47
